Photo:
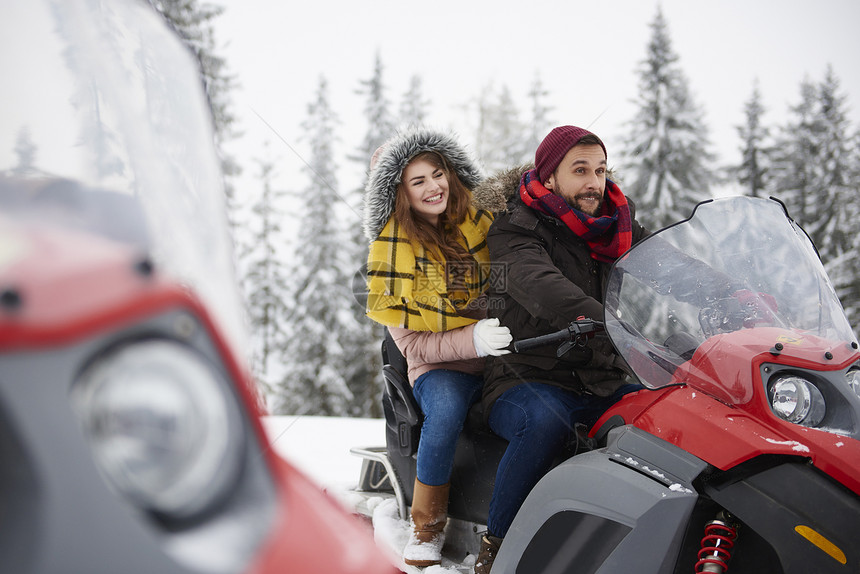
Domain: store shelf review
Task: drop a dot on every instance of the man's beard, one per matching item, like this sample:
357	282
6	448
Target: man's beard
579	202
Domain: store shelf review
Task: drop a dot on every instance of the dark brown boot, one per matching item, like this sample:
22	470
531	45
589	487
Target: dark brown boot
429	515
489	548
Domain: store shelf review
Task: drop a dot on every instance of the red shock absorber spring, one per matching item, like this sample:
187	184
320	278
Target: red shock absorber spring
717	544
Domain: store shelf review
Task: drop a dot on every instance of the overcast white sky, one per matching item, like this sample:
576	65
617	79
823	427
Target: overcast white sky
587	54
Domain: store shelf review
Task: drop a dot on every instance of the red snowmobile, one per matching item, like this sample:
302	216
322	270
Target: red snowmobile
130	438
742	451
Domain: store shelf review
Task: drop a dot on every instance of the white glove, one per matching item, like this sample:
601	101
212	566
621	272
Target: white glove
490	338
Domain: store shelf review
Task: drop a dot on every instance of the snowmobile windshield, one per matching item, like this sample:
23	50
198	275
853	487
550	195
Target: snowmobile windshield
737	264
107	132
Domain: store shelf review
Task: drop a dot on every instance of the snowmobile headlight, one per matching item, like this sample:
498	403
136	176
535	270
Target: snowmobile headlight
853	377
797	400
163	428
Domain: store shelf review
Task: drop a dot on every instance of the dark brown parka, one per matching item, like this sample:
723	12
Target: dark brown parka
543	278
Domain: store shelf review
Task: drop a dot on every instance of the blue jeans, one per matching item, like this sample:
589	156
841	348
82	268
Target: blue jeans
445	398
537	420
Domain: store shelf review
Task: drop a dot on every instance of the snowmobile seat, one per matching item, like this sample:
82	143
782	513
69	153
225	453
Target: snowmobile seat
403	416
478	452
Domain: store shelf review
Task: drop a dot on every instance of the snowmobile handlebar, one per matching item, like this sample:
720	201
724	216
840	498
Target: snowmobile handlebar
575	333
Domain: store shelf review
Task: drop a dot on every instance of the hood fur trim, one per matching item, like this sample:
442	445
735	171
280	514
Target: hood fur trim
494	193
381	189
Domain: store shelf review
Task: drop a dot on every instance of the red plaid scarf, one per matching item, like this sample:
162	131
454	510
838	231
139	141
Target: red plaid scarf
608	235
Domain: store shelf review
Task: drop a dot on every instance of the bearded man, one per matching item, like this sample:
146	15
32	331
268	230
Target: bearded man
562	230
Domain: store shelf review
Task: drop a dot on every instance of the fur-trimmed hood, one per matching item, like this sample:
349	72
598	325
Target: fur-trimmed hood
381	189
494	192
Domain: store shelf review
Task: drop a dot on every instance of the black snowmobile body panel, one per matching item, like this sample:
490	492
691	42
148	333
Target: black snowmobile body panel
623	508
790	503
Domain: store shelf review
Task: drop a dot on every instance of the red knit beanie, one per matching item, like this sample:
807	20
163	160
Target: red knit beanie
555	146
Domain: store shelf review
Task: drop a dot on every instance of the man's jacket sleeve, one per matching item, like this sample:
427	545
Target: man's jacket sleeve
534	281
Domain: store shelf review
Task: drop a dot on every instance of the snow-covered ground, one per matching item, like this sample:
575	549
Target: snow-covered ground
320	447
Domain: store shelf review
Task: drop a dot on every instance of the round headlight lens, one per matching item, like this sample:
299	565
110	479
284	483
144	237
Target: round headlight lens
797	400
163	429
853	377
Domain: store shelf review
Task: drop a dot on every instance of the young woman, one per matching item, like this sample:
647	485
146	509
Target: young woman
428	271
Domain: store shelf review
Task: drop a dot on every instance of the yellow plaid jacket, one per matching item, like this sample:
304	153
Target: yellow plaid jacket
407	283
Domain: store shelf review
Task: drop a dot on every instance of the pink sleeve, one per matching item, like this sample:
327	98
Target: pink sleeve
430	347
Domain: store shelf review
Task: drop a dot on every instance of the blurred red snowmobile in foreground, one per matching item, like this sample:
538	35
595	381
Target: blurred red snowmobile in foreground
742	452
130	438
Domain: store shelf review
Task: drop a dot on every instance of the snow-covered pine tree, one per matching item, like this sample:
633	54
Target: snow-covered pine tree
313	381
362	364
25	149
265	282
815	178
756	148
413	106
831	170
483	117
791	179
665	159
539	123
108	156
835	229
501	136
194	22
377	112
851	297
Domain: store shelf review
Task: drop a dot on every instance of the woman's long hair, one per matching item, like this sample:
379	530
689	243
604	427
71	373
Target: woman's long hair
440	239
